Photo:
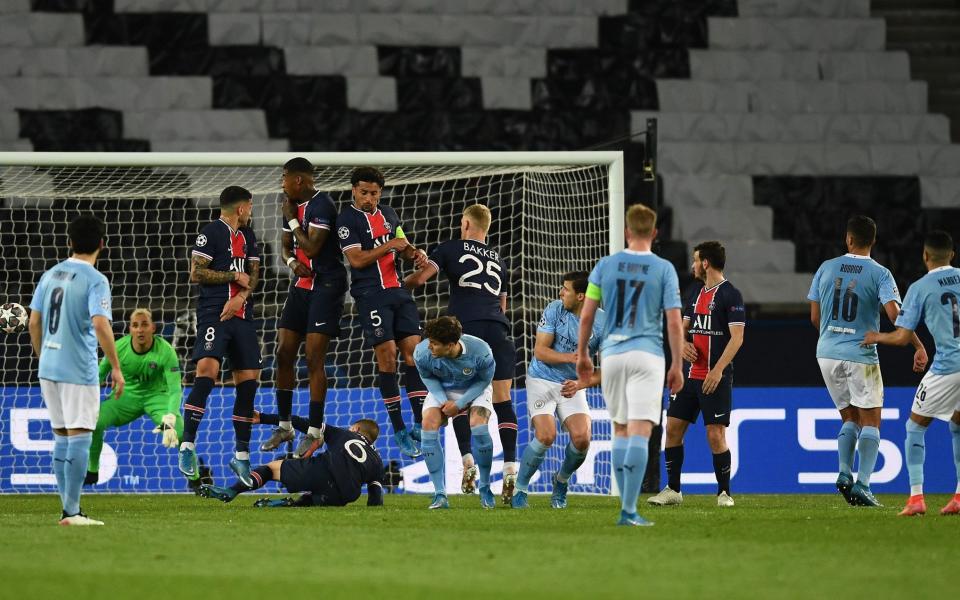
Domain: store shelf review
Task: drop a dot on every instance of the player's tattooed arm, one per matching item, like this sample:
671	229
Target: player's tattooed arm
200	272
253	271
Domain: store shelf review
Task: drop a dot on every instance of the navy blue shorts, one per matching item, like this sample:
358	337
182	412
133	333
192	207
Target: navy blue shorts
497	335
388	315
688	403
314	311
235	339
313	475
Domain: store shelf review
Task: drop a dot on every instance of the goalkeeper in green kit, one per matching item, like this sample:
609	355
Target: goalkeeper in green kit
152	370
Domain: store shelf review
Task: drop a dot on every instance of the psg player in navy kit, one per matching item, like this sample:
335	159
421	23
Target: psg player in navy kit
478	299
371	238
226	264
332	478
714	318
314	303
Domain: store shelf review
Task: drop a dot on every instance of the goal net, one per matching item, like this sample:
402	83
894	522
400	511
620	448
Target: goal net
552	213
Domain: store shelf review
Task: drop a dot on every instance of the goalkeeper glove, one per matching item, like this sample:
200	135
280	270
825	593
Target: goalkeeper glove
167	427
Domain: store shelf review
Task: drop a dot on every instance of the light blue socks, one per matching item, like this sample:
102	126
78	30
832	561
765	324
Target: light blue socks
868	447
572	459
634	468
433	456
483	451
847	446
75	470
60	464
618	453
530	462
915	450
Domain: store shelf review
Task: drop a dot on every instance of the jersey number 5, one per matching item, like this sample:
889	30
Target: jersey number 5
492	268
634	299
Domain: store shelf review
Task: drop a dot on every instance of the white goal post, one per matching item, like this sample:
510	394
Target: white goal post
553	212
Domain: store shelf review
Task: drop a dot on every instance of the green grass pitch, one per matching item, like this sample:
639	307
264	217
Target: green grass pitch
178	546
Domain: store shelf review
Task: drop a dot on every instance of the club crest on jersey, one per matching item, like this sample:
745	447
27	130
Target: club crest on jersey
387	226
711	306
467	371
343	233
152	365
201	240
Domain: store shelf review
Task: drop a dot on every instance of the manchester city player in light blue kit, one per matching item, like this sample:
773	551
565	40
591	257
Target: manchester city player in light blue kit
637	288
845	299
70	312
553	389
935	300
458	372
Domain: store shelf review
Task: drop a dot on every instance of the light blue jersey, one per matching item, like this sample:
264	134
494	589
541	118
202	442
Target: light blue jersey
68	296
469	374
565	327
935	300
850	289
635	288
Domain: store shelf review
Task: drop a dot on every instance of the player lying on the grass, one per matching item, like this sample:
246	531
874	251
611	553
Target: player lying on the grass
332	478
152	371
478	299
637	289
314	301
458	372
935	300
714	317
553	372
846	298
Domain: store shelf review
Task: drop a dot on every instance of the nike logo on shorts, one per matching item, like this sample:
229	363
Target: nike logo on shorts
319	324
716	416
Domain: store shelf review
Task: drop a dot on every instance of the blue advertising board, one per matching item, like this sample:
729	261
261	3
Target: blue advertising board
782	440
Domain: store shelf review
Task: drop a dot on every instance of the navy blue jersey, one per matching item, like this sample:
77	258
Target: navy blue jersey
708	314
354	461
227	250
359	229
318	212
476	274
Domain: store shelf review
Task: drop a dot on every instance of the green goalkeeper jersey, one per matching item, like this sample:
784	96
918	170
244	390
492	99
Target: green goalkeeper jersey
155	373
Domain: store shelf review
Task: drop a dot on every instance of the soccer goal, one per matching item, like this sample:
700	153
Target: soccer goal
553	212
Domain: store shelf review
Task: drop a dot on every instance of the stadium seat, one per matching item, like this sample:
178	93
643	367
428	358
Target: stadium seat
793	33
41	30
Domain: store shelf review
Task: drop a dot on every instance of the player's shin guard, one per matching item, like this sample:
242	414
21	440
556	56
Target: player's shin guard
243	413
634	468
673	458
955	434
618	452
914	448
390	391
484	451
507	428
416	392
260	476
530	462
572	459
194	407
75	470
847	445
461	428
433	456
284	407
868	447
60	444
721	468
